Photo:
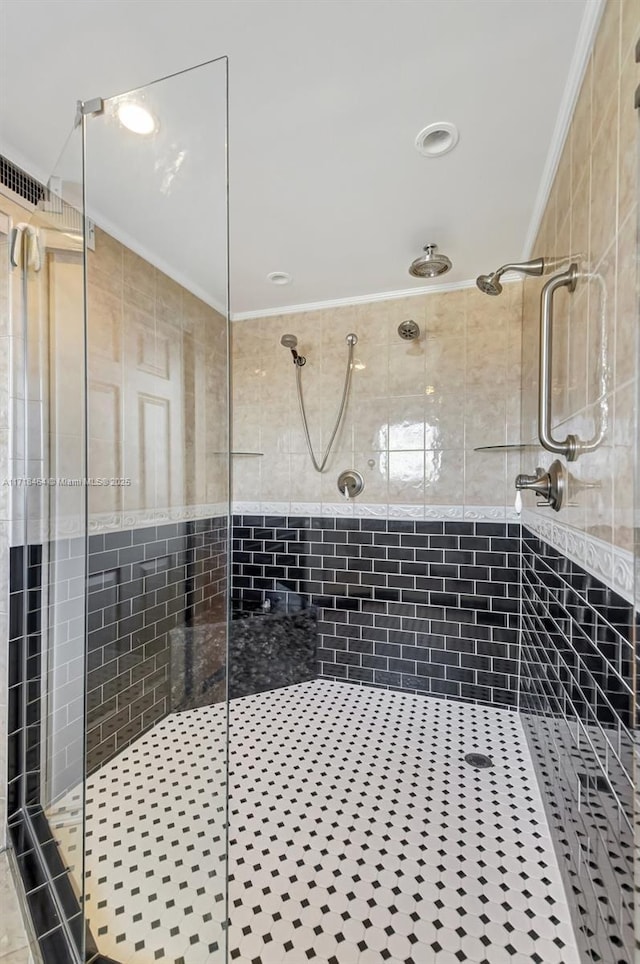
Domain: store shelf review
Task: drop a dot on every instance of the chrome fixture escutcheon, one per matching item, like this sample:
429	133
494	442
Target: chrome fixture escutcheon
350	483
551	485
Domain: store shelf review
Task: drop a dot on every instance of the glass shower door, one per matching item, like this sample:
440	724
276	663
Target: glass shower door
158	519
46	503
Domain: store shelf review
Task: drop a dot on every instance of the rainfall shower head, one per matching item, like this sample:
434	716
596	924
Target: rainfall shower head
490	284
291	342
430	264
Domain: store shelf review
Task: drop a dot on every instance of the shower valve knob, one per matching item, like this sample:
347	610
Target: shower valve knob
350	483
540	483
550	485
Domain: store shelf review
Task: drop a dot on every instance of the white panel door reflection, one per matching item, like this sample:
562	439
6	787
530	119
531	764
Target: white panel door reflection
153	416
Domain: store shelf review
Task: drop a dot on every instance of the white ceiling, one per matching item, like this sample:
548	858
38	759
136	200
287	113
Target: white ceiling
326	98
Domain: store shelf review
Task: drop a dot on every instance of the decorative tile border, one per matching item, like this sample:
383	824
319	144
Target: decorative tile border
58	527
364	510
614	566
142	518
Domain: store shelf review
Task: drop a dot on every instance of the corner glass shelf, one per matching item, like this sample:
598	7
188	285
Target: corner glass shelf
514	447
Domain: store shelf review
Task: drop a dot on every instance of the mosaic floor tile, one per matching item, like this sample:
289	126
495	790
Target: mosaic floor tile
358	835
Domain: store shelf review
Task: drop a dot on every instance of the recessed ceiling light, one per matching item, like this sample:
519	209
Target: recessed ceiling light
437	139
279	278
136	118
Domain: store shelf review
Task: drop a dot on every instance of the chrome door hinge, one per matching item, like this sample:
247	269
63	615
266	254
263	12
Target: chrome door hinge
86	107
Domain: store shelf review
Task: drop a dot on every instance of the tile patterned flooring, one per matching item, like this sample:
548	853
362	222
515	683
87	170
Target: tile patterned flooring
358	836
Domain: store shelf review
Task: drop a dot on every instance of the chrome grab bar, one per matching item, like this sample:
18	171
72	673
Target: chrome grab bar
572	446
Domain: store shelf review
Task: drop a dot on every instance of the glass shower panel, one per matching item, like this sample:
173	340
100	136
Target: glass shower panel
158	519
47	556
635	422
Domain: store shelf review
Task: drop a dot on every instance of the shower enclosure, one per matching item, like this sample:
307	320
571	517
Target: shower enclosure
120	506
346	724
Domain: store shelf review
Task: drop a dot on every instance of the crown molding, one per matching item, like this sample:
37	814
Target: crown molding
104	224
362	299
581	53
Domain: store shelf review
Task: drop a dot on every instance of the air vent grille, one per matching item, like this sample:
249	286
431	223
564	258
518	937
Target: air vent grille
20	182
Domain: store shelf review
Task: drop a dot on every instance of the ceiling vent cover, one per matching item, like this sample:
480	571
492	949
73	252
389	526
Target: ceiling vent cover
58	213
20	182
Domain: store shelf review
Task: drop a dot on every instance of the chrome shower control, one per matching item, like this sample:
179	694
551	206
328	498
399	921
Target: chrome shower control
539	483
550	485
350	483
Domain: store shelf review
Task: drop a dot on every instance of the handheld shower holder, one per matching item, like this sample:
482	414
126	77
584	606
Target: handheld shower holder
291	342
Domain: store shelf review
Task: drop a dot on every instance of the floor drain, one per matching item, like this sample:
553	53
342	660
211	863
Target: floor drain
478	760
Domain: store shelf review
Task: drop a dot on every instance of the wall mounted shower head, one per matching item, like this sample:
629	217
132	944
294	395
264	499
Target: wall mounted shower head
489	284
291	342
430	264
408	330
